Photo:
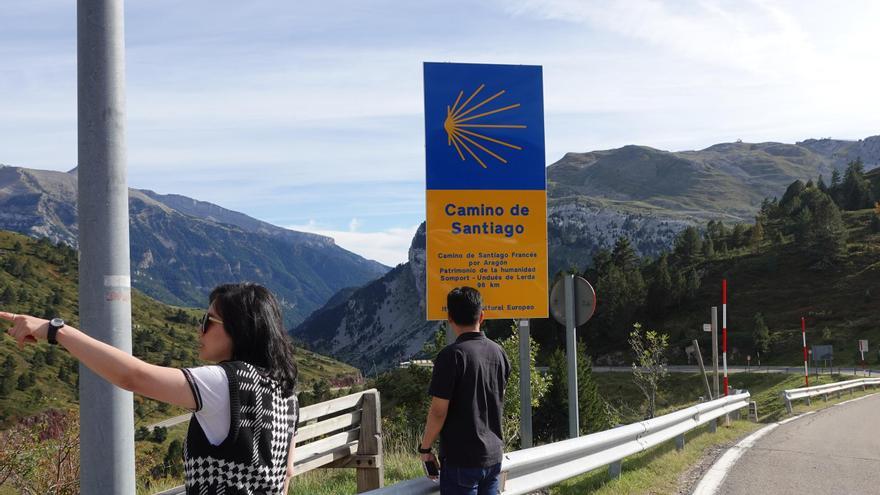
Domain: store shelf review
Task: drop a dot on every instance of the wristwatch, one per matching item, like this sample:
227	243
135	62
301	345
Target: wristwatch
54	326
424	451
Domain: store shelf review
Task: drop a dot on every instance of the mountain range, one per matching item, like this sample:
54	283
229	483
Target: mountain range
644	194
181	248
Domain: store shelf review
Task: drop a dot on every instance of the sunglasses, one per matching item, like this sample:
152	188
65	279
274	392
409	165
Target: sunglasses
205	323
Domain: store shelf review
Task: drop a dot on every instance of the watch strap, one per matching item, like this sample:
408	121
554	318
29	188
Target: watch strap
53	331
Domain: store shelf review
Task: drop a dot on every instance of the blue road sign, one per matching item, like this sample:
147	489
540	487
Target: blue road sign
484	127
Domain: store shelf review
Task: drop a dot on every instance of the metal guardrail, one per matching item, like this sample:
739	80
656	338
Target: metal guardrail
340	433
527	470
824	390
681	368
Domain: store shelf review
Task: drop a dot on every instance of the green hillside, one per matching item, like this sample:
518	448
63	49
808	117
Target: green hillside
840	303
39	278
724	180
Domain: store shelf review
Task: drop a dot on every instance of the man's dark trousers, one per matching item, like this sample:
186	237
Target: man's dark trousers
469	481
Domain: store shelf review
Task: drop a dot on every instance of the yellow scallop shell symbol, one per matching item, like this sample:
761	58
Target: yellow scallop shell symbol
459	124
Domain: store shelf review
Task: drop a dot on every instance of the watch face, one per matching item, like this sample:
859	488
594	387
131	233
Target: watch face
57	322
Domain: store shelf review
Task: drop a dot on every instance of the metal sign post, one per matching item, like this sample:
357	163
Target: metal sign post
571	355
572	303
715	349
703	369
724	329
106	411
863	348
525	386
804	336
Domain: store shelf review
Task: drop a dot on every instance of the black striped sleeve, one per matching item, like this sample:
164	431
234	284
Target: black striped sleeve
197	396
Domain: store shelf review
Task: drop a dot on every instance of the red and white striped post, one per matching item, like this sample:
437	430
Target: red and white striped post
804	335
724	330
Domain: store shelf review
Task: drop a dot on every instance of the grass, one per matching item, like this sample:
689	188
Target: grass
399	466
657	470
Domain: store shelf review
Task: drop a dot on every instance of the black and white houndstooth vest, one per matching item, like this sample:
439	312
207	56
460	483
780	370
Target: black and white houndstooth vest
253	457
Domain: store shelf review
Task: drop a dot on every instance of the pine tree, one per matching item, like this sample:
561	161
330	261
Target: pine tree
9	297
9	367
757	237
661	293
738	237
624	256
693	284
160	433
856	189
760	334
709	249
594	413
792	193
688	244
826	234
174	459
51	354
835	178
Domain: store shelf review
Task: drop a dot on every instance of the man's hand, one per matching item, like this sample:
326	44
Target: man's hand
431	458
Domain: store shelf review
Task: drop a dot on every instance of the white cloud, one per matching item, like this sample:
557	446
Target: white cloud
754	35
389	247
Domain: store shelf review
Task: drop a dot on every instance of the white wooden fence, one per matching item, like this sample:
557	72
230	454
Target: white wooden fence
340	433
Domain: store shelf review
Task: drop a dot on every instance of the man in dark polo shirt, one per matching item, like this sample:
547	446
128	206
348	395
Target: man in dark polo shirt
467	389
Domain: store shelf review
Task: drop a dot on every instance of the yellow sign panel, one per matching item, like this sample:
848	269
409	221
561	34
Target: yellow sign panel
492	240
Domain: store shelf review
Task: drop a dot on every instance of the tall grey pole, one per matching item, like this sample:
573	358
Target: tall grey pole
703	369
571	354
106	411
715	347
525	386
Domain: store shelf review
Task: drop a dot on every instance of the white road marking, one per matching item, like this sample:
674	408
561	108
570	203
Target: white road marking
854	400
713	478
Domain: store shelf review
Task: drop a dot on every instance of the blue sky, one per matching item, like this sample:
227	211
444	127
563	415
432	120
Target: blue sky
309	114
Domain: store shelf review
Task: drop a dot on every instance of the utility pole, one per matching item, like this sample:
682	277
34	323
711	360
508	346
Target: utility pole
525	385
106	411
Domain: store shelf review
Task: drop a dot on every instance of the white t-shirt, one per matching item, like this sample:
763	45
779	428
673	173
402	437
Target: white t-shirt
212	386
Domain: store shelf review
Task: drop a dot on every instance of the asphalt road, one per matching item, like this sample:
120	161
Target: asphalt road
836	450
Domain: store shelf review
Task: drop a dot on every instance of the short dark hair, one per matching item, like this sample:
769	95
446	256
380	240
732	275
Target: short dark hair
252	318
464	305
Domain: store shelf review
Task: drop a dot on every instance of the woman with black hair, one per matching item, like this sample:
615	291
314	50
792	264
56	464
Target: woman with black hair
245	408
